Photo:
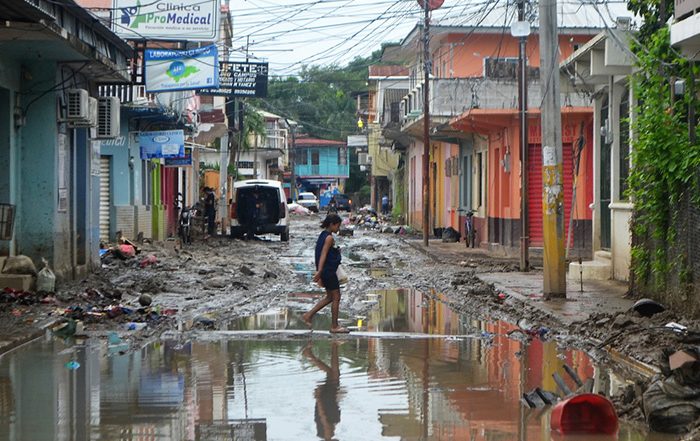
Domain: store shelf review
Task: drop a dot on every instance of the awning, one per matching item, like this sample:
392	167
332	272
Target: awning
485	120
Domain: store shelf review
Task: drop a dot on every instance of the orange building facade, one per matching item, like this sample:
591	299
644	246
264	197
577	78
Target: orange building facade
475	145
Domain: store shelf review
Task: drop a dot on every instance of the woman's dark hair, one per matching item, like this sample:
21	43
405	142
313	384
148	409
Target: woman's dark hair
331	219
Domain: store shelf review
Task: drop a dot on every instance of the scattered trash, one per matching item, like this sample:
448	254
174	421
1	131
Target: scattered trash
672	405
134	326
65	328
647	307
538	398
145	300
45	279
72	365
148	260
449	234
584	414
247	271
679	359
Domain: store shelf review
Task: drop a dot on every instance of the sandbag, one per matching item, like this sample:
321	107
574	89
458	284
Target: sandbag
449	234
45	279
19	265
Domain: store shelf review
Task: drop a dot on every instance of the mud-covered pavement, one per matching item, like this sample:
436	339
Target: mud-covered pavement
209	284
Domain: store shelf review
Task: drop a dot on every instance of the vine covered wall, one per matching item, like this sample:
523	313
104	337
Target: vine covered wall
664	180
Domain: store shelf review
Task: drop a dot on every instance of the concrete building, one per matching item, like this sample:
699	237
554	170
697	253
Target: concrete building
52	56
601	70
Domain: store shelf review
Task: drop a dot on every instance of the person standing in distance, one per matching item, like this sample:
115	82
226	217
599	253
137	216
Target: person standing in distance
327	259
210	210
385	204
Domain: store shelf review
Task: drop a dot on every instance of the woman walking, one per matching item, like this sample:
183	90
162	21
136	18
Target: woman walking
327	259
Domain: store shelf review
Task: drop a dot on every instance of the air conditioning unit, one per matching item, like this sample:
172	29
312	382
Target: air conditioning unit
108	120
77	105
364	159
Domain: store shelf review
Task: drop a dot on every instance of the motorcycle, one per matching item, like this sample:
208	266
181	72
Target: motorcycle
332	207
184	229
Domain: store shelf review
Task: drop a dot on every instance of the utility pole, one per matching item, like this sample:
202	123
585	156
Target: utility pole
291	156
552	182
426	122
522	106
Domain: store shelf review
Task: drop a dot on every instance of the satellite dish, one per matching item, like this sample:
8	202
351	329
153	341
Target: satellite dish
432	4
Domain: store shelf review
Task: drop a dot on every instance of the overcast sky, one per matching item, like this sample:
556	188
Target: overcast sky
291	33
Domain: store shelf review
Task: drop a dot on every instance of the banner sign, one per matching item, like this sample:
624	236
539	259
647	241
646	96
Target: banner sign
190	20
181	161
162	144
240	78
168	70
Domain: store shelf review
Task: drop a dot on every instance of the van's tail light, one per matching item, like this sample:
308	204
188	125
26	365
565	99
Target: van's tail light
349	201
283	212
233	214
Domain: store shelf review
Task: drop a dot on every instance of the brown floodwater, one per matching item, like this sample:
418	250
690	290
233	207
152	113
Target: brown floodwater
412	370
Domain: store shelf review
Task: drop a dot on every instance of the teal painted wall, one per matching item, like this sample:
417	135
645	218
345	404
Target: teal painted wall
39	230
9	81
328	163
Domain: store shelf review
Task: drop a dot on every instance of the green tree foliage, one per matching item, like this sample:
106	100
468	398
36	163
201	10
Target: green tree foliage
322	99
665	161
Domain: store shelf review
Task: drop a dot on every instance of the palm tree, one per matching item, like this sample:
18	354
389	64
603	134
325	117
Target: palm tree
254	132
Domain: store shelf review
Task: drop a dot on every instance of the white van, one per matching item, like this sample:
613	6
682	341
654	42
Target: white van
259	206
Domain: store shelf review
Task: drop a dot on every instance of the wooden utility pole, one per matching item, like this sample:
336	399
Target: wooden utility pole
552	182
426	123
522	106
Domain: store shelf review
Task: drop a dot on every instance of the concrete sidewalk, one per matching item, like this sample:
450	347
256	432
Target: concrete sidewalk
596	297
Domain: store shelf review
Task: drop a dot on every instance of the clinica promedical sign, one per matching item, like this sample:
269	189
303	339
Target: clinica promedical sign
192	20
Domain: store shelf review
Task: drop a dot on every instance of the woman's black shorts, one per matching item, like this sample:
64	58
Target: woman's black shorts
330	280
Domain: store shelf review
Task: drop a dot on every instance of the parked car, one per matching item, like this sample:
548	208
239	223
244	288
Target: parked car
259	206
343	201
308	200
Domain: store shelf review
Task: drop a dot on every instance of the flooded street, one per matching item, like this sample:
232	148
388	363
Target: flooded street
414	370
237	362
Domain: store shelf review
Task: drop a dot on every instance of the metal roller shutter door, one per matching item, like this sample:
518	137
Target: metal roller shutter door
105	198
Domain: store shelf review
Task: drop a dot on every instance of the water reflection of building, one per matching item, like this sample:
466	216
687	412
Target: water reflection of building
466	389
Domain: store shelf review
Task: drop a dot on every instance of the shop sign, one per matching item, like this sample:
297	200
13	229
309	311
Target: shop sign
241	78
181	20
169	70
183	161
162	144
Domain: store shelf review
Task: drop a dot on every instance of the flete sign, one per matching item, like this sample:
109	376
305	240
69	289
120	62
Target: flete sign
168	70
241	78
191	20
162	144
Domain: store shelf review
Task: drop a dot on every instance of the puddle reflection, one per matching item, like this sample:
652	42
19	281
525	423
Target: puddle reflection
409	389
292	389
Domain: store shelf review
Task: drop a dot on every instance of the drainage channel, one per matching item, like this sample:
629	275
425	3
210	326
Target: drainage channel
412	370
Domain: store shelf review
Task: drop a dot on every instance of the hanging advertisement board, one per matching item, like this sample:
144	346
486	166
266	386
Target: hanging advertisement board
162	144
169	70
191	20
240	78
182	161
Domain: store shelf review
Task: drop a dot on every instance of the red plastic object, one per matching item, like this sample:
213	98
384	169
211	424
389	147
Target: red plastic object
584	413
432	4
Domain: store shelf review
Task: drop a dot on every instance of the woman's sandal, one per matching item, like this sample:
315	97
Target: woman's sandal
339	330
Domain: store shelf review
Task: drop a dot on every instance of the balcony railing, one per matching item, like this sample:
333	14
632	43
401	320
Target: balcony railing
128	94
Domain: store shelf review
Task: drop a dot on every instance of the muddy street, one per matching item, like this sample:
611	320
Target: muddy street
211	335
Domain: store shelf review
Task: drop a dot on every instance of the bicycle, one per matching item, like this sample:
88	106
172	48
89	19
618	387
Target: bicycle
469	230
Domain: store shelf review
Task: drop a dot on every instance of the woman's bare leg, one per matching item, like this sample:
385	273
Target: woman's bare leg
317	307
